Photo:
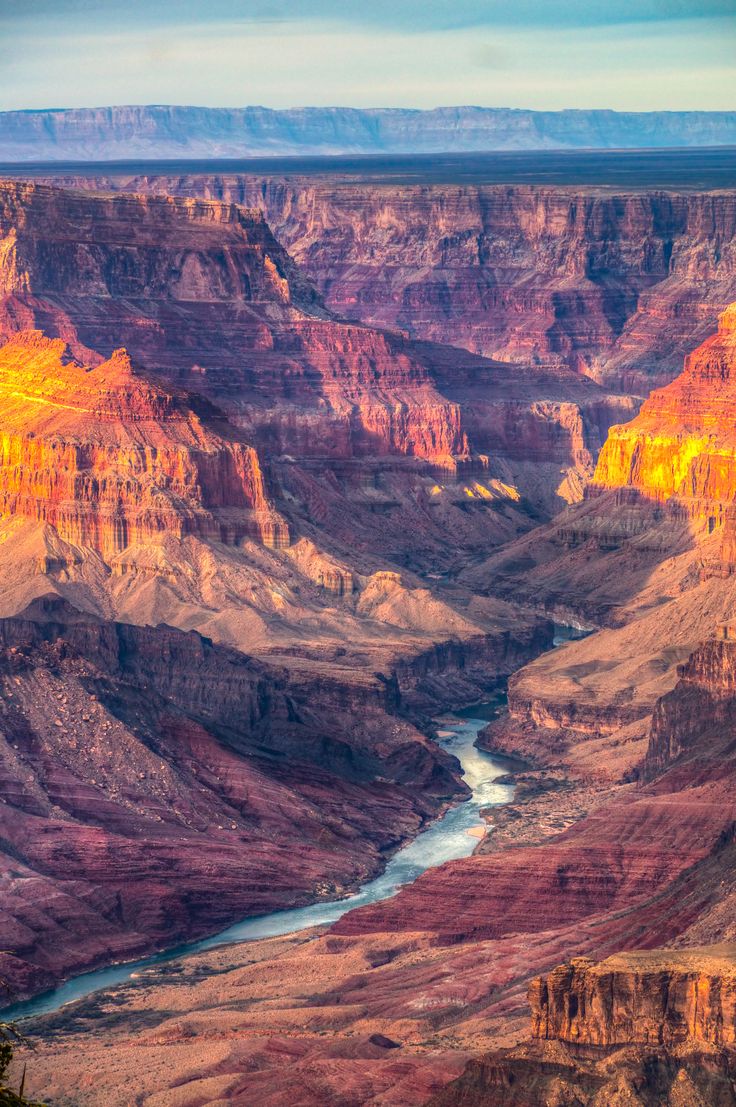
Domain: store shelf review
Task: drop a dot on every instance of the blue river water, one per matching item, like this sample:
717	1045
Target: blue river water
443	840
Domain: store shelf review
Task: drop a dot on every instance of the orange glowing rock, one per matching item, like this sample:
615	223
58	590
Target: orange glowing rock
111	459
683	441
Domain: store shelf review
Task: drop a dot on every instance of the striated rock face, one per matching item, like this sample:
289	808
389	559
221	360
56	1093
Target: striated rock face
611	863
654	1029
653	998
201	295
698	715
111	460
681	444
555	1077
616	285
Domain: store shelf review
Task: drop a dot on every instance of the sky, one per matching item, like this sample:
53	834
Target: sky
547	54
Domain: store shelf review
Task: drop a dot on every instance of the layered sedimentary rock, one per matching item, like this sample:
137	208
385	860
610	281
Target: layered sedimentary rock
651	862
559	1077
200	293
617	285
648	555
192	439
662	998
111	460
681	445
652	1028
704	698
624	840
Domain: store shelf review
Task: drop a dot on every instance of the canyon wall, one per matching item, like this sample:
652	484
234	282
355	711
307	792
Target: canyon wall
681	445
189	438
615	284
111	460
200	293
703	702
654	1029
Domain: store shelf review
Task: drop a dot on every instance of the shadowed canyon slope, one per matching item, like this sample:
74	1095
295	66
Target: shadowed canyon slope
154	786
615	284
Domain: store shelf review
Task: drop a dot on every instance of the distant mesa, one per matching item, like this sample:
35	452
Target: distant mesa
174	131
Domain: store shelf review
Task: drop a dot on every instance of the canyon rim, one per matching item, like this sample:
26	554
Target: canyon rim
368	554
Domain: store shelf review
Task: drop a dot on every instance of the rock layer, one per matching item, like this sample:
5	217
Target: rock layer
665	998
681	445
615	284
654	1029
111	460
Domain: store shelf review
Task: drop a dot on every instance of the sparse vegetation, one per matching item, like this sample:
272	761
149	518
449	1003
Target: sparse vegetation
9	1039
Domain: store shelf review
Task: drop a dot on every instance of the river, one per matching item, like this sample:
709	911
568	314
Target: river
445	839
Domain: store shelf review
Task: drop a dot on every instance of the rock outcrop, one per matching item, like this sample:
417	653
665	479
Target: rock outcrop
111	460
654	1029
665	997
698	716
681	446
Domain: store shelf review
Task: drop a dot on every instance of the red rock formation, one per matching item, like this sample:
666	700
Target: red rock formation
616	284
654	1028
111	460
650	863
681	444
202	293
702	705
611	861
652	998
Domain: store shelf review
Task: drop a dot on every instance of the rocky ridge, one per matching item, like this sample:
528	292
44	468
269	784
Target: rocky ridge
654	1028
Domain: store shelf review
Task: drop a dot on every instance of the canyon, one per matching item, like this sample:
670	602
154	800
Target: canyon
149	484
259	542
400	1002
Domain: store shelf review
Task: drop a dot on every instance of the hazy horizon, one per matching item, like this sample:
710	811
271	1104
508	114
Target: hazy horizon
362	108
